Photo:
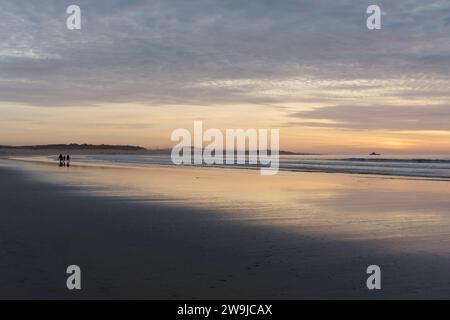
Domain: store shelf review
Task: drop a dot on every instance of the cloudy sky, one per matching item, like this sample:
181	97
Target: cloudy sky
139	69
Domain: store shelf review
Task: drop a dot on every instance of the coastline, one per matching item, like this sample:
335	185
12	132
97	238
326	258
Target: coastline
156	250
418	167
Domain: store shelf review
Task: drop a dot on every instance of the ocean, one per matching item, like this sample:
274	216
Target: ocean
435	167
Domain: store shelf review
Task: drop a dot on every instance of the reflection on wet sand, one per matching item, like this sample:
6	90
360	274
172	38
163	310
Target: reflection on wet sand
166	232
337	205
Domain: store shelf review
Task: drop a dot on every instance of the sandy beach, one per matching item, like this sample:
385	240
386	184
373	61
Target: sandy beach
197	233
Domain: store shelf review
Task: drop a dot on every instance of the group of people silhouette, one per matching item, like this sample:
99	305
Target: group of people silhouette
64	161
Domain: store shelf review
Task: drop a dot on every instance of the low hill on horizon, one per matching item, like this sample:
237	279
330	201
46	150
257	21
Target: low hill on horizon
75	146
109	147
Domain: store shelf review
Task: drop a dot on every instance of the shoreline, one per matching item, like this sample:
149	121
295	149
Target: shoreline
45	159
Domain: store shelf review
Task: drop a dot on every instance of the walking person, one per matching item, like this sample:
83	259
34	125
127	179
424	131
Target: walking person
68	160
60	160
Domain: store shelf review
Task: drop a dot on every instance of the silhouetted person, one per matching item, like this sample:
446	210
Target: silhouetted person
60	160
68	160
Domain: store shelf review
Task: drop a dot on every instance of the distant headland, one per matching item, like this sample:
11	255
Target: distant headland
75	146
96	148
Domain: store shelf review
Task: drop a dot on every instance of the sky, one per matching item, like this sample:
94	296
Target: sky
137	70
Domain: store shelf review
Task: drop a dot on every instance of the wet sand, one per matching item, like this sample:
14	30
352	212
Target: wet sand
170	233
